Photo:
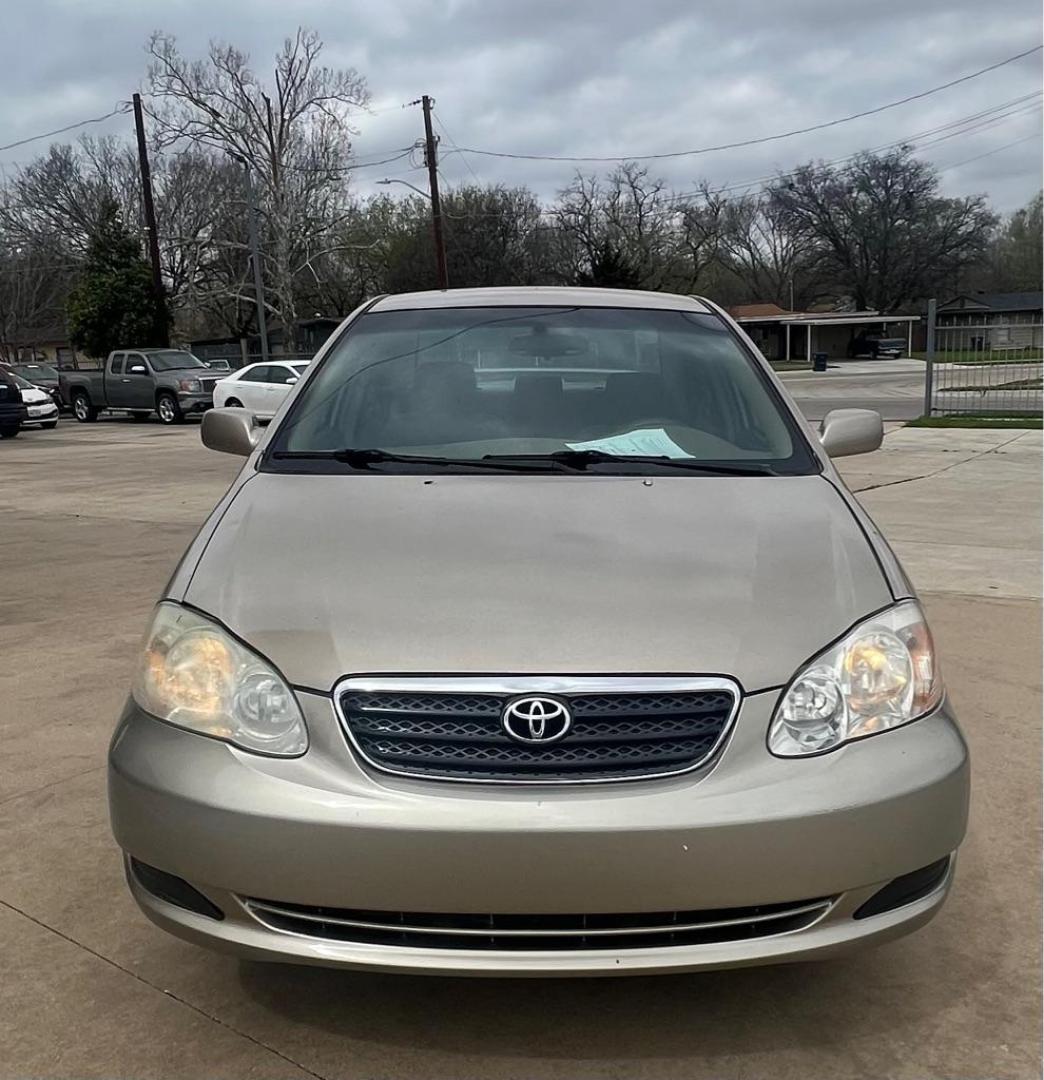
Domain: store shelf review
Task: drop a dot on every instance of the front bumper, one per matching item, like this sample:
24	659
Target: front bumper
753	830
48	414
195	403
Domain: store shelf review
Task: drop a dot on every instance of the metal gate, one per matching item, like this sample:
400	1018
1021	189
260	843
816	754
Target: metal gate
983	365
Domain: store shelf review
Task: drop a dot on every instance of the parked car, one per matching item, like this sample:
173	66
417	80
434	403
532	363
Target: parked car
39	405
259	387
217	364
12	409
875	346
41	375
538	635
169	382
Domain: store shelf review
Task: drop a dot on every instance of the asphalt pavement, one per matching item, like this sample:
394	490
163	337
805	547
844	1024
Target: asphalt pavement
94	520
894	388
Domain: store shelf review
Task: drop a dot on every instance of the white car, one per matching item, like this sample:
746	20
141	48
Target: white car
259	387
39	404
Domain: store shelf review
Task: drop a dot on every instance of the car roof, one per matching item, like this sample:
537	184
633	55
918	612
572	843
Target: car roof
539	296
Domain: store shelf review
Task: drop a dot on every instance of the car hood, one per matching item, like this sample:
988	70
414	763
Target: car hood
36	396
367	573
192	373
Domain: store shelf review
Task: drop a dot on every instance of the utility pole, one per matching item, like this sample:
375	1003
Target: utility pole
255	256
161	328
433	184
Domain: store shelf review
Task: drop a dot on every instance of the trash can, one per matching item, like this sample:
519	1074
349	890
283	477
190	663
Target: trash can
819	360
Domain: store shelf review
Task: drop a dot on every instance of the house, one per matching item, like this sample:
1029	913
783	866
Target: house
799	335
981	321
47	344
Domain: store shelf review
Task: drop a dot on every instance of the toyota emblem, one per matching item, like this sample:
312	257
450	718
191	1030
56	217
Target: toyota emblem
536	719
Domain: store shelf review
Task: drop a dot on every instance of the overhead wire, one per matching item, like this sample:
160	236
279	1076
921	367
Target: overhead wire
990	153
121	108
762	139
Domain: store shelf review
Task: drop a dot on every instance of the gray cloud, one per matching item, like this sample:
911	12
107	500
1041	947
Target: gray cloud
586	78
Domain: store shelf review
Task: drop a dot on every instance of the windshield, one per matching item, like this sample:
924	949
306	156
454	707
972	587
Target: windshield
22	384
475	385
36	371
173	360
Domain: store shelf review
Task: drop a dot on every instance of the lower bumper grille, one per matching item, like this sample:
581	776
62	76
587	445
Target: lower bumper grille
456	729
538	932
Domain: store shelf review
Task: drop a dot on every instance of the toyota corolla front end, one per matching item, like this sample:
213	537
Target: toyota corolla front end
593	666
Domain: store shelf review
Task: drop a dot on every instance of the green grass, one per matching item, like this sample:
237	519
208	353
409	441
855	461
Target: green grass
1015	421
1014	384
790	365
968	356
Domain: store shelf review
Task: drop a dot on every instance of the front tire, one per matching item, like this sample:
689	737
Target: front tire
82	408
168	409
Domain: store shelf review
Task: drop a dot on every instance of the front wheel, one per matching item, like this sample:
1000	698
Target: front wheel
168	409
83	410
9	431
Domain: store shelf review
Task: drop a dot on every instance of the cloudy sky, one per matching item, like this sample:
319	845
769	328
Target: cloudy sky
590	77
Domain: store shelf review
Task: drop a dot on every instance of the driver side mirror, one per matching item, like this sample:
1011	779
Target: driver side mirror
291	381
844	432
230	431
136	369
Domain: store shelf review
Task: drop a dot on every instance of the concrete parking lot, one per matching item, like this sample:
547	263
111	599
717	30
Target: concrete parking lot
94	518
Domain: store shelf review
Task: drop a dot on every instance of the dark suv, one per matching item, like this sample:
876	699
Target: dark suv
12	409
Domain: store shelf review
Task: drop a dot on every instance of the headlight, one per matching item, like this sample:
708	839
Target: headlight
194	674
191	386
880	675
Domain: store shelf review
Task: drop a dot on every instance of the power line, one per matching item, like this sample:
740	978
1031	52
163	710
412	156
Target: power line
121	108
762	139
913	141
456	148
989	153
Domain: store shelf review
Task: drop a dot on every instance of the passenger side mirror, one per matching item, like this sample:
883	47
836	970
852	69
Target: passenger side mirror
851	431
231	431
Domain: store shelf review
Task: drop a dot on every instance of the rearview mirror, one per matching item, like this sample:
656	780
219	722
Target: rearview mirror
851	431
231	431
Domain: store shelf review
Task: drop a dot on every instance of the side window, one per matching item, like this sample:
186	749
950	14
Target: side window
116	365
255	374
282	374
136	360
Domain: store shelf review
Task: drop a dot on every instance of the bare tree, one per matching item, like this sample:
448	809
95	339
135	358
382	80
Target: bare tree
62	193
294	136
623	229
33	288
886	235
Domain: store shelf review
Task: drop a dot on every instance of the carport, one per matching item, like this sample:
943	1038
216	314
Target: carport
818	331
817	335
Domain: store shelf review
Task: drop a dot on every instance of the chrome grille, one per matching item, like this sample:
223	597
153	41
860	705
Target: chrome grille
429	930
450	728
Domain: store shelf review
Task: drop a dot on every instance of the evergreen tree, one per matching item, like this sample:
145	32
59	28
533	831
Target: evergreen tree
113	305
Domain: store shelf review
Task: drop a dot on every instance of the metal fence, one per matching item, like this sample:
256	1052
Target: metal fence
981	365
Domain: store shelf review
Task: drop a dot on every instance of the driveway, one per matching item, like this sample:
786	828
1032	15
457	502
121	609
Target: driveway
94	518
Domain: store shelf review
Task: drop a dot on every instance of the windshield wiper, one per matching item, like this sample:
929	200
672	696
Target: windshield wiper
584	459
363	458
